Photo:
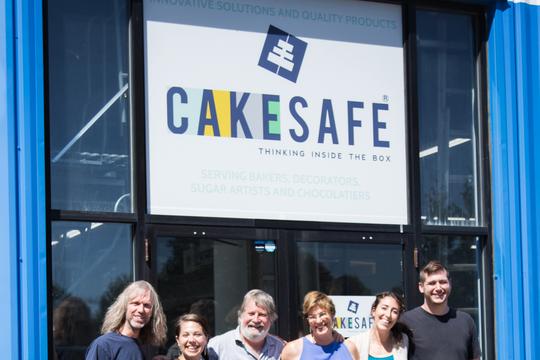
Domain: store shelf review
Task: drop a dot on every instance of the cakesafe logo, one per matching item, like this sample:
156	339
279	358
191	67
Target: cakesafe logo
353	306
282	53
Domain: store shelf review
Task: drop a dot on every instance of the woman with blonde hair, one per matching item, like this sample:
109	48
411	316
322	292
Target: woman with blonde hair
320	343
386	339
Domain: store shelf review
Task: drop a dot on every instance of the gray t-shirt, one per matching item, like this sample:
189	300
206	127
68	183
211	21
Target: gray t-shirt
229	346
447	337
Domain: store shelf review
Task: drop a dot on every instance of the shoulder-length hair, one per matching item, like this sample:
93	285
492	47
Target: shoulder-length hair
316	298
398	329
155	332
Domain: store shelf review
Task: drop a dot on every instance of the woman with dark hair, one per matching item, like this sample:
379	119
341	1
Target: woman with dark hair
320	343
386	339
191	336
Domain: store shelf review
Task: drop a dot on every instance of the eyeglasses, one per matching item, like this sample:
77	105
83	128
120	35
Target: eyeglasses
316	316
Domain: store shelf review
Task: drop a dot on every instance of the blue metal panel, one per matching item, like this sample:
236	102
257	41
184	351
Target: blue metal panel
9	309
514	109
22	182
31	177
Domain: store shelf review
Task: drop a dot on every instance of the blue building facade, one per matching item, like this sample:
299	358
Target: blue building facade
514	90
23	181
513	98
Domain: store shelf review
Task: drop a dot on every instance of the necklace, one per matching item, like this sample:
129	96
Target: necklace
378	347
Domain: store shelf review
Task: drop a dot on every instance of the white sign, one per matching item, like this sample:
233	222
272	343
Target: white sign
353	314
276	110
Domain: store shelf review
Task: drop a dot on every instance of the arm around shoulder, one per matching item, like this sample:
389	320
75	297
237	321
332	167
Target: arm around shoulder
212	354
212	349
355	354
360	342
292	350
403	347
404	341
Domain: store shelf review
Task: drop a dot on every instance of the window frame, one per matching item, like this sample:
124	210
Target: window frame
144	225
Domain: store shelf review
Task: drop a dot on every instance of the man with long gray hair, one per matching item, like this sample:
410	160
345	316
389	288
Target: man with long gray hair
250	340
135	318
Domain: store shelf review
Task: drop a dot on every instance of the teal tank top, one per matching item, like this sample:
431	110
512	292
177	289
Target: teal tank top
334	351
389	357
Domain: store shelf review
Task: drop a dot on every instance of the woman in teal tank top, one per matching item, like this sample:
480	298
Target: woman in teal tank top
320	344
386	339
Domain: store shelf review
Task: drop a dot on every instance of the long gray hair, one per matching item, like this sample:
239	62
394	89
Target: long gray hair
155	332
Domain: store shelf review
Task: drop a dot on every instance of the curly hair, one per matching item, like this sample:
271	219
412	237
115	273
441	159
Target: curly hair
155	332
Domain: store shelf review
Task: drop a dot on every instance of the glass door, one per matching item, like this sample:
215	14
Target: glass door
208	271
350	267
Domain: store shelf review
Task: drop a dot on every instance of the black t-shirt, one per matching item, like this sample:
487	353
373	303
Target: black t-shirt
447	337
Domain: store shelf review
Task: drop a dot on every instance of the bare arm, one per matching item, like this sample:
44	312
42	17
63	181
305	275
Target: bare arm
292	350
337	336
352	349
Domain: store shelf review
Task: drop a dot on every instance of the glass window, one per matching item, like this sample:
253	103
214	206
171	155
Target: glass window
460	255
91	264
448	123
211	277
348	269
89	105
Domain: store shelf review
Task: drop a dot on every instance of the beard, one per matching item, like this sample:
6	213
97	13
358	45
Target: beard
137	324
253	334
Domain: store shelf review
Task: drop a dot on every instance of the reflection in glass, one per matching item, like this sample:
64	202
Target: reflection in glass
210	277
89	106
448	123
348	269
459	254
91	264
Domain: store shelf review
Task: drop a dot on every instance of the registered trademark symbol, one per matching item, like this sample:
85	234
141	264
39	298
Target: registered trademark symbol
385	98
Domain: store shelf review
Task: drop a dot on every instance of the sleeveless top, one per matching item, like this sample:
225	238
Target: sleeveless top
389	357
334	350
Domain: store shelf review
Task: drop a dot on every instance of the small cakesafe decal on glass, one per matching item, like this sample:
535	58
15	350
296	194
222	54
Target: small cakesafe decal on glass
353	306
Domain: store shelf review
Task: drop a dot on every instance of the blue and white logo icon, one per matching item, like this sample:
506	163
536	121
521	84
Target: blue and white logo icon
282	53
353	307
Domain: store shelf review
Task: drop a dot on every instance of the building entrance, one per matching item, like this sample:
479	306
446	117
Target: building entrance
209	269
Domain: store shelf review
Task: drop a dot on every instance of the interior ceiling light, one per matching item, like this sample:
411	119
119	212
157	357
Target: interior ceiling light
451	144
72	233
